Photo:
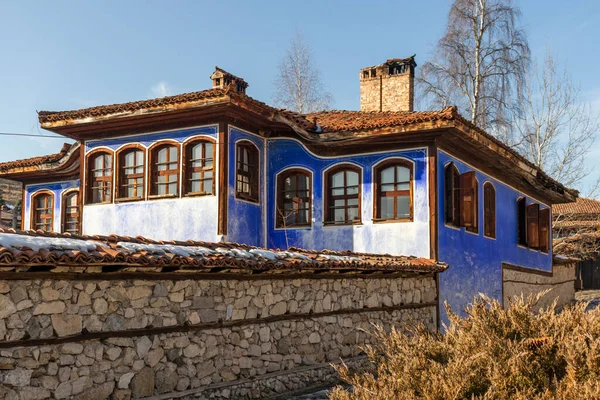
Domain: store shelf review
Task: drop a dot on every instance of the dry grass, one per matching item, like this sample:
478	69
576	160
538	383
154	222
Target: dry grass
492	353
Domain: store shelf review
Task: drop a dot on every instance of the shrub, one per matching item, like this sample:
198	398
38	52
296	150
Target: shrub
492	353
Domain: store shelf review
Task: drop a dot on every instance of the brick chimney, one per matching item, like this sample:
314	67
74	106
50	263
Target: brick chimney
222	79
389	86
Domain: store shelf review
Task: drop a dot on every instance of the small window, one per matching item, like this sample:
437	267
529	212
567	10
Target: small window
343	195
131	173
294	199
469	204
522	221
70	213
394	191
164	161
247	167
199	168
489	210
99	178
42	205
452	195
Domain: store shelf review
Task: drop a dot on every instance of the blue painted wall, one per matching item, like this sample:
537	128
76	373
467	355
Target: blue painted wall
57	188
169	219
245	222
406	238
476	261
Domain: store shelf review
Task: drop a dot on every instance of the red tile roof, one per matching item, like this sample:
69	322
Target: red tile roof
583	246
34	161
352	121
30	249
581	206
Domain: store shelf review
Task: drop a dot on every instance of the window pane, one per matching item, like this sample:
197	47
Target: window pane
173	188
173	153
337	192
353	202
387	187
352	213
162	189
98	162
337	180
303	183
403	207
387	175
207	186
129	159
339	215
352	178
386	207
403	186
352	190
209	150
197	152
195	186
403	174
162	155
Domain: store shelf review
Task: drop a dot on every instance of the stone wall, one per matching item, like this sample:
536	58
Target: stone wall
194	337
521	281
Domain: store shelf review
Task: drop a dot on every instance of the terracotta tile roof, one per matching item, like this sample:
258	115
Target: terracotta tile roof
33	161
30	249
581	206
576	224
352	121
100	111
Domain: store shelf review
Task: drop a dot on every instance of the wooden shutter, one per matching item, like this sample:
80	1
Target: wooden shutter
533	240
489	210
468	199
448	193
544	231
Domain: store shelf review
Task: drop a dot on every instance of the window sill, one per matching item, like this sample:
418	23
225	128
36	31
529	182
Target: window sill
247	199
163	196
128	199
351	223
391	220
198	194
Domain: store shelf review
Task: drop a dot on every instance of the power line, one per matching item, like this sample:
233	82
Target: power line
30	135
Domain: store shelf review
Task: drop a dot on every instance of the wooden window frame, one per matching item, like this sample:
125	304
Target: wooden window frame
90	181
489	210
329	197
279	219
65	214
120	176
152	188
253	175
452	195
187	166
377	193
533	229
34	210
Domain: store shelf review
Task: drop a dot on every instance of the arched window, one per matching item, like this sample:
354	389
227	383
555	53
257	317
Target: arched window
199	167
294	198
489	210
394	191
247	167
343	195
130	183
70	212
42	207
452	195
164	164
99	177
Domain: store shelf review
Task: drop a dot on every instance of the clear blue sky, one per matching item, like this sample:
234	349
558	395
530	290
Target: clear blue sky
59	55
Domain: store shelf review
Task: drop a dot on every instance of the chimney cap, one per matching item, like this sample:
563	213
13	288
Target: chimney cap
396	61
226	78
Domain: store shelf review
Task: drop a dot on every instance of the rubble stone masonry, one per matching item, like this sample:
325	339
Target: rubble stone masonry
194	338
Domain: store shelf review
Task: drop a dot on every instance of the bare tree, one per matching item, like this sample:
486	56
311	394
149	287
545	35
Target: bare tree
556	129
298	85
479	63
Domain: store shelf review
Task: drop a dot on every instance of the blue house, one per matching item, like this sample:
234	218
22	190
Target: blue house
218	165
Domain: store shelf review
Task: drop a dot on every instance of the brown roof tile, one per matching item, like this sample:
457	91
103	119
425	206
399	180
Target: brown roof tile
583	246
30	249
33	161
581	206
